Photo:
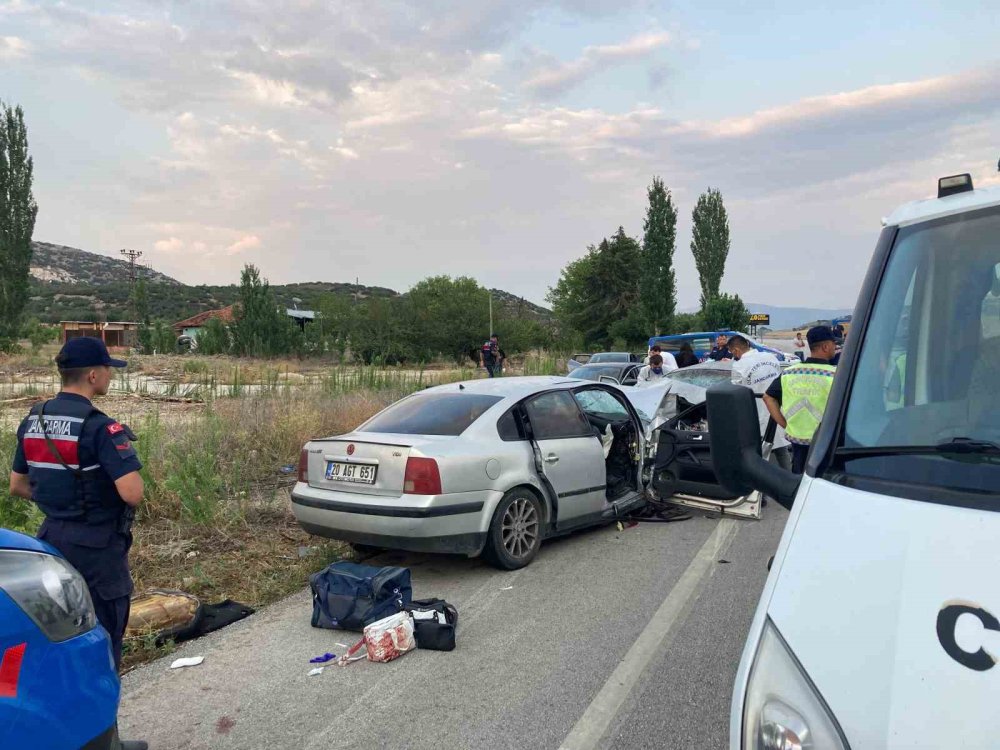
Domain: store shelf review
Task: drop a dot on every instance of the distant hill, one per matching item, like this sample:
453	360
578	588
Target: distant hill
72	284
68	265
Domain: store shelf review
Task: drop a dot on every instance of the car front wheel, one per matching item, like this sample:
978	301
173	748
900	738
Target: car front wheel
516	531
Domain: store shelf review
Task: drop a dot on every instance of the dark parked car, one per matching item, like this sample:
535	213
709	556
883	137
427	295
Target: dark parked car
619	373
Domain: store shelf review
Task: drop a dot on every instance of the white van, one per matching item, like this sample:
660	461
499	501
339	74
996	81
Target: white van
879	626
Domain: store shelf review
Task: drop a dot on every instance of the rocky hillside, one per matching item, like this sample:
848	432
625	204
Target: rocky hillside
68	265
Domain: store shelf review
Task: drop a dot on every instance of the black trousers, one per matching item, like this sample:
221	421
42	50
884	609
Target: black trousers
799	455
100	555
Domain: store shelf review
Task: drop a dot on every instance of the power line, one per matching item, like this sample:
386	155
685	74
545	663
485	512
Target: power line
133	256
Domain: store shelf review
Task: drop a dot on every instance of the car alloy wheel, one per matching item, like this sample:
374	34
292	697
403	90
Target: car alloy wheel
519	528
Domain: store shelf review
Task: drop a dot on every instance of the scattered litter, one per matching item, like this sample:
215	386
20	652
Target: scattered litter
724	562
192	553
188	661
506	588
287	469
342	645
322	659
620	527
316	671
306	551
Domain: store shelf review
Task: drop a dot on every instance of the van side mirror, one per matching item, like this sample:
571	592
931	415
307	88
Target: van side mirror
734	432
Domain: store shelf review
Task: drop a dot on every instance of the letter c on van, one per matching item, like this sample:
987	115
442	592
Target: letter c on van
947	621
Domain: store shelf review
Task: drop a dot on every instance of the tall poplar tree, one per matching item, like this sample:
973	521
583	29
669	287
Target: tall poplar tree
17	222
710	242
658	283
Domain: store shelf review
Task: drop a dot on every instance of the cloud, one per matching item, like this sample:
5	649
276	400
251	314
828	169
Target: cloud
247	242
13	48
171	245
335	131
560	77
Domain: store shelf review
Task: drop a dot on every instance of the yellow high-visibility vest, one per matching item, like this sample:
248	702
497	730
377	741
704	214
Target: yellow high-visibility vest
805	389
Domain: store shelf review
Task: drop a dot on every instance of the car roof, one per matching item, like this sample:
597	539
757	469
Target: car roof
606	365
516	387
15	540
916	212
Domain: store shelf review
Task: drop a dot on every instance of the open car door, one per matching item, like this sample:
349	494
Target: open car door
679	453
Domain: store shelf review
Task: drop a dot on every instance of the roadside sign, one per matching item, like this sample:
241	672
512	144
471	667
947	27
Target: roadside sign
760	319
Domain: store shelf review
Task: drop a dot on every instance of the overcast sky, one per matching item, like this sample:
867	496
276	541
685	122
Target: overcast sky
392	140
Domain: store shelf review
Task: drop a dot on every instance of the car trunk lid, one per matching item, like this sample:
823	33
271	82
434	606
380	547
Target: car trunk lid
356	454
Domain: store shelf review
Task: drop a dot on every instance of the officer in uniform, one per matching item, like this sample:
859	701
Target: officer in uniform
797	400
81	469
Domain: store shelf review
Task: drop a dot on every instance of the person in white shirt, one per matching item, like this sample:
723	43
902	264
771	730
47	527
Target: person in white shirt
654	372
669	362
756	370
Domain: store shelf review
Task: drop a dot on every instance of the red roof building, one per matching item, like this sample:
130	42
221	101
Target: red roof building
187	326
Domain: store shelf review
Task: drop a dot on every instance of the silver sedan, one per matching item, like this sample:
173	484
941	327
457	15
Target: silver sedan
487	467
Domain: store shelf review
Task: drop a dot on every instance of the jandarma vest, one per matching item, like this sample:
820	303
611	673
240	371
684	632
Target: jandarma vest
805	389
67	481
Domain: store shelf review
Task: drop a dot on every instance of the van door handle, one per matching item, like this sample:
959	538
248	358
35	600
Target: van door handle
697	437
551	458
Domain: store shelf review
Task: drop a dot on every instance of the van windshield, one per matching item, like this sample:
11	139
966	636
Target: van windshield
925	403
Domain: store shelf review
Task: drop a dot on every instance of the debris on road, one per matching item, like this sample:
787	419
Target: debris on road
188	661
507	588
316	671
323	659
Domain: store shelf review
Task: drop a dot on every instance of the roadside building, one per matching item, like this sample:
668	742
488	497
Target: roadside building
192	326
301	317
117	335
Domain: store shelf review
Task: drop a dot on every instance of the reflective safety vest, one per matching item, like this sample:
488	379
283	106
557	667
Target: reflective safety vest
67	481
805	389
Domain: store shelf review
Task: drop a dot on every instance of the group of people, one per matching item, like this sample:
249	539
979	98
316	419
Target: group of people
795	399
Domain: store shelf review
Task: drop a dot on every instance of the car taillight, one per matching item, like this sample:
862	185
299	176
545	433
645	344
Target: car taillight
304	466
422	477
10	670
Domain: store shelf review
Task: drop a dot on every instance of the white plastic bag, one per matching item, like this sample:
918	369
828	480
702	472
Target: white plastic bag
390	637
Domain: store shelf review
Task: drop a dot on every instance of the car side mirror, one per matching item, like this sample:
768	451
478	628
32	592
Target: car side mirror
734	433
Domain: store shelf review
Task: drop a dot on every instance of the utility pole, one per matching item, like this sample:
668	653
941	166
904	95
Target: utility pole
489	292
133	256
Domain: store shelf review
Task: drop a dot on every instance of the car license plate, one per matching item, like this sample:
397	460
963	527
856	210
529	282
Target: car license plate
337	471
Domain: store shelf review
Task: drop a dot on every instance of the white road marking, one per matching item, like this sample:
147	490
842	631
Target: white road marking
591	728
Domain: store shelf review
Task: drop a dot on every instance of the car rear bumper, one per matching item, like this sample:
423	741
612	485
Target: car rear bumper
453	523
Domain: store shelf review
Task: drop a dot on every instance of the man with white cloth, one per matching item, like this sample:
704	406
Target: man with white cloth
756	370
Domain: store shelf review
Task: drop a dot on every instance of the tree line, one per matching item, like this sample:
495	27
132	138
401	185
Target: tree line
438	318
624	290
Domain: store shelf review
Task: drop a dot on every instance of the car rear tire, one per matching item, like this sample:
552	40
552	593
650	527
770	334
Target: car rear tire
516	531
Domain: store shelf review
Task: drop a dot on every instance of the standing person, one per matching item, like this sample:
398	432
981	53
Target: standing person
686	356
653	372
669	363
721	349
492	357
800	346
757	370
798	398
80	468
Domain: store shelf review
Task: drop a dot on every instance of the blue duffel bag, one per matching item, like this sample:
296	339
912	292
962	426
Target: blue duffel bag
348	596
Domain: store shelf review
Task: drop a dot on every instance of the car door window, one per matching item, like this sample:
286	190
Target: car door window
556	415
595	401
631	376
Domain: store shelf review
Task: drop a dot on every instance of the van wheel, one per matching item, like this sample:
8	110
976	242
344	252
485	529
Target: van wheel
516	531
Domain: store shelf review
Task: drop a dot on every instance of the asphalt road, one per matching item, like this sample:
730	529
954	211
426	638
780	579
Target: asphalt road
623	639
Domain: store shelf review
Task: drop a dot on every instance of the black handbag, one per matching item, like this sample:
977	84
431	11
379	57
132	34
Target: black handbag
434	623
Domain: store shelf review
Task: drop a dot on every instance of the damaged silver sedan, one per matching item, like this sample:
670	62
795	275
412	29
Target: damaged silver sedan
489	467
